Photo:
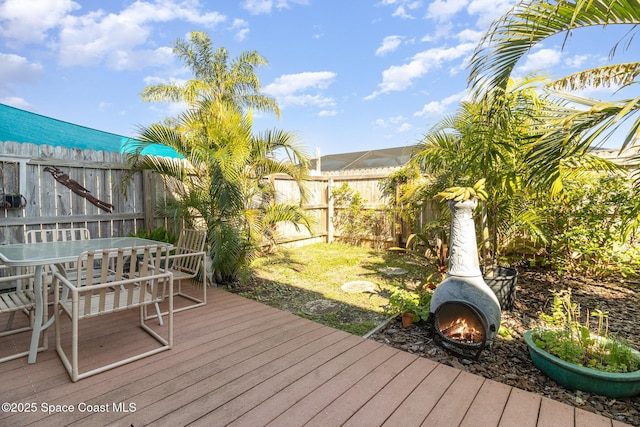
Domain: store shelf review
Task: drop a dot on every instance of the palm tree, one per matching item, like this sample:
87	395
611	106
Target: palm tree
222	179
214	78
222	174
487	139
582	123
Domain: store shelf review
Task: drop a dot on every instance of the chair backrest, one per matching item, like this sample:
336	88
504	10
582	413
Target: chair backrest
132	277
190	242
57	235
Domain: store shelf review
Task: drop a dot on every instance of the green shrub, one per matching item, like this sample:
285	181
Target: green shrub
587	228
406	301
159	234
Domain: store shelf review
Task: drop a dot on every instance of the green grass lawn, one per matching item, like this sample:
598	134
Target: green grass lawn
291	278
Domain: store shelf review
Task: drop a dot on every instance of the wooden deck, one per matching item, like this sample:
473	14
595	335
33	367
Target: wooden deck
238	362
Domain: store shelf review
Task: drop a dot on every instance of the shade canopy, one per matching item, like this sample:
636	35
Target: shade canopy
26	127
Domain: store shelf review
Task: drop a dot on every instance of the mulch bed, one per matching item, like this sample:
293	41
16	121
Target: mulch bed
508	359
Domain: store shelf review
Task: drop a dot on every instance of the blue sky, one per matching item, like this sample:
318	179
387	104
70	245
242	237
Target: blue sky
349	75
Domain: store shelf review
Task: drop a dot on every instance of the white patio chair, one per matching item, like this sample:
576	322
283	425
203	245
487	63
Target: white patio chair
134	285
187	261
17	296
57	235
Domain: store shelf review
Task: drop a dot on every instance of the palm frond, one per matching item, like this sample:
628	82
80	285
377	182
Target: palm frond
616	75
589	123
162	93
530	22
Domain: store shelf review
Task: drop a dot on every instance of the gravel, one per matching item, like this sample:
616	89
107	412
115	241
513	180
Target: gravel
508	361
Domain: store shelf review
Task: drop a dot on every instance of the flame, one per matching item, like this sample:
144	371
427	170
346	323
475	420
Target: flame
459	330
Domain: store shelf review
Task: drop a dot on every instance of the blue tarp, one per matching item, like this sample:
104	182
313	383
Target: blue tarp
23	126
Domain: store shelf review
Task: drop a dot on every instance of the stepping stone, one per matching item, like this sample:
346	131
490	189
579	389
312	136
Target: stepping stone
320	307
359	286
393	271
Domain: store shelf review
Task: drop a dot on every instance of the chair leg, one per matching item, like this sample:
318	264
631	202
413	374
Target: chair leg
159	314
10	321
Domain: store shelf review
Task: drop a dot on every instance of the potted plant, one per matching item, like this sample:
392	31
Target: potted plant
412	305
582	356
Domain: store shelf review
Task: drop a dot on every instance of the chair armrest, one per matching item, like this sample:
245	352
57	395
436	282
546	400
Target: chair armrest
61	277
187	254
16	277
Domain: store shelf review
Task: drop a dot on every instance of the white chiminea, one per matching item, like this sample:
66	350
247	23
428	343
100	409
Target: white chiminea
465	313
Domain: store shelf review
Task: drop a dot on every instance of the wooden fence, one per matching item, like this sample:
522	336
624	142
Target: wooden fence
49	204
323	208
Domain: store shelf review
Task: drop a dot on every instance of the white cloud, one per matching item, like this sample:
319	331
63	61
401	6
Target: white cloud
405	127
400	77
577	61
294	89
443	10
119	39
389	44
540	60
17	102
393	120
402	7
438	108
488	10
381	123
400	12
304	100
399	123
433	108
241	29
16	68
123	59
28	21
258	7
327	113
468	35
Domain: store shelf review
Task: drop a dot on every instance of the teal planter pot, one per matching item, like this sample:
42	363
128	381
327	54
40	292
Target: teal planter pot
580	378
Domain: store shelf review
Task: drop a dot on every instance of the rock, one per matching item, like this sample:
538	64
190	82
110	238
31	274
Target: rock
359	286
393	271
320	307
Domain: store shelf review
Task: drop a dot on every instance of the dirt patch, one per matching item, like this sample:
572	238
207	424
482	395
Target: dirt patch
508	360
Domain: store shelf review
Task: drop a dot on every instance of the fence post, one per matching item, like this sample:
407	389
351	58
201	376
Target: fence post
330	209
149	200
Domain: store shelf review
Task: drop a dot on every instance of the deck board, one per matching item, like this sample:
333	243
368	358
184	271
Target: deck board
419	404
452	407
522	409
555	414
238	362
387	400
319	398
265	406
486	409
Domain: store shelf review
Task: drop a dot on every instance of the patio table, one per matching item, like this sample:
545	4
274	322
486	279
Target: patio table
55	253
